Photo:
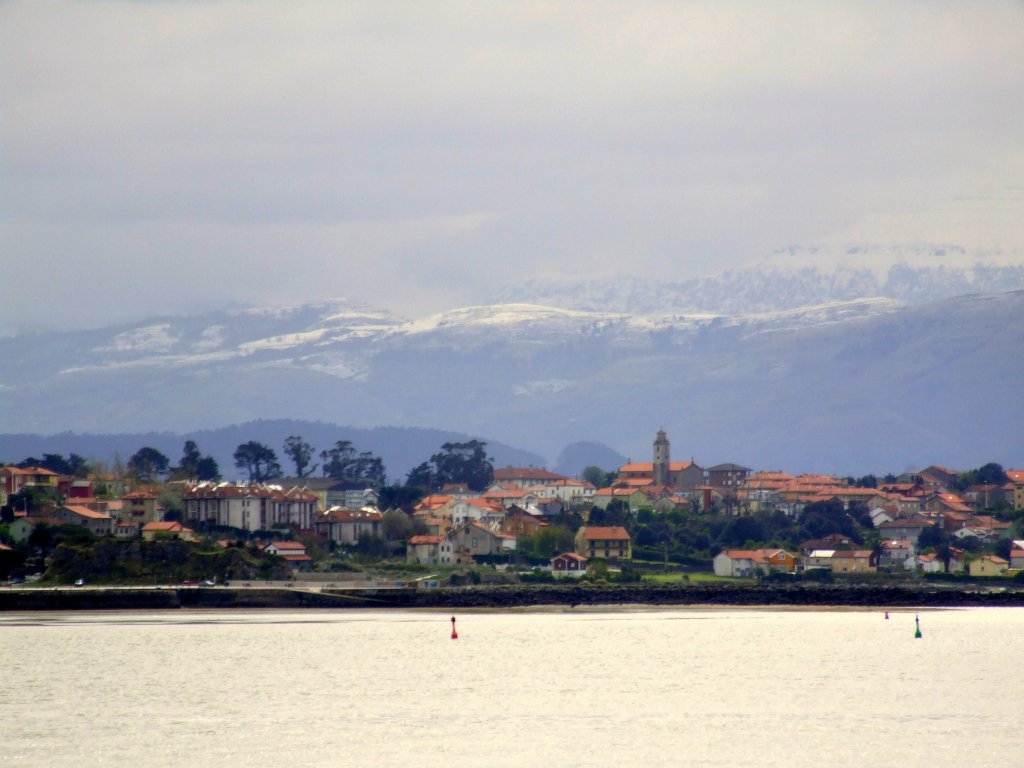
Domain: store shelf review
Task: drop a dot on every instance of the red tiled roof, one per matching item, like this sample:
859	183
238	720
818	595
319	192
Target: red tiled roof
605	533
425	539
526	473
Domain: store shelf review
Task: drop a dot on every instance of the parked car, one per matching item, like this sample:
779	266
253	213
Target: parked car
80	582
206	583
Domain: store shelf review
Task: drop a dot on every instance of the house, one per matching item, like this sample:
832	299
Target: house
745	563
520	523
849	561
988	565
932	563
881	515
99	523
904	528
569	564
728	477
345	526
16	479
423	549
634	498
895	554
292	551
466	542
169	529
126	530
488	513
140	506
832	541
526	477
1017	555
568	491
609	542
1015	493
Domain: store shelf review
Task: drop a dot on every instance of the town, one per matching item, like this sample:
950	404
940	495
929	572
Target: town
457	519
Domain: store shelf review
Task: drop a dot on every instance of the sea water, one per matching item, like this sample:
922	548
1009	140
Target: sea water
570	687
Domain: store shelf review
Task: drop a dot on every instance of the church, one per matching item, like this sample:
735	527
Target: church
662	471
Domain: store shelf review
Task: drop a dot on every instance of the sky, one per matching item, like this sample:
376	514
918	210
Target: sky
175	156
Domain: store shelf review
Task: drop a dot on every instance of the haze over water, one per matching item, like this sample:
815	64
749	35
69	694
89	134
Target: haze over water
629	687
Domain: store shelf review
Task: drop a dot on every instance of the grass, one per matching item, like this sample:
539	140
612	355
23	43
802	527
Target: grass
692	578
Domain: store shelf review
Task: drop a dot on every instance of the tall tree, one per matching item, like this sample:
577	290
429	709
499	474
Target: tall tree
148	464
258	461
455	463
195	466
344	463
301	453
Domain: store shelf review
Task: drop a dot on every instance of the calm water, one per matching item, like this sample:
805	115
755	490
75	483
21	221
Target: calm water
630	688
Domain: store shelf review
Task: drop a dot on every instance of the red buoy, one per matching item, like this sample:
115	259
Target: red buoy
455	635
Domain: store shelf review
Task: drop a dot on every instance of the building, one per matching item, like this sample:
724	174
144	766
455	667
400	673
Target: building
569	564
727	477
99	523
526	477
988	565
609	542
745	563
661	471
169	529
464	543
423	549
249	506
292	551
345	526
140	506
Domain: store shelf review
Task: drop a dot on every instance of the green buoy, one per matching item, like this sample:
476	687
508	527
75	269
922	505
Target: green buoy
917	624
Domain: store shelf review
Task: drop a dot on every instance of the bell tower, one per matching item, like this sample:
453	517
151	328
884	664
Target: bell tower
660	466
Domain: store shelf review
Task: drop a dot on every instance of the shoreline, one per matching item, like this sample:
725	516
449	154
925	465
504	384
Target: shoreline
551	597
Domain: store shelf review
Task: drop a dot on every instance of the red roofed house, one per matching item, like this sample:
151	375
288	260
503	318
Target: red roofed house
748	562
569	564
609	542
140	506
526	477
172	529
292	551
463	543
423	549
99	523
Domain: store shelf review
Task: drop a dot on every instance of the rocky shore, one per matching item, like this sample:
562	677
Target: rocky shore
512	596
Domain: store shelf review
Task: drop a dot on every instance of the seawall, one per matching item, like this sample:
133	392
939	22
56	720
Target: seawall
509	596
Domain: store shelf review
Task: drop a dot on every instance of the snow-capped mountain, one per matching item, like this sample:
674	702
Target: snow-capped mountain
853	385
788	279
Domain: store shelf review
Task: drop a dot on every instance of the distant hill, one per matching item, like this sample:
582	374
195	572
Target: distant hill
858	386
577	456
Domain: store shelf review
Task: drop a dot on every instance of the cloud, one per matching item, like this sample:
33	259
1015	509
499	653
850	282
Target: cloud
169	155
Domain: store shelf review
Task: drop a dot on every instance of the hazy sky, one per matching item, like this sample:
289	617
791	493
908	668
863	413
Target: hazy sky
178	155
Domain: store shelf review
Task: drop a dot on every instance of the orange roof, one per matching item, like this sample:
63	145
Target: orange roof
289	545
86	512
674	466
425	539
167	526
525	473
605	533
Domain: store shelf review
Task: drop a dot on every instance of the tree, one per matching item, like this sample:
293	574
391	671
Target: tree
596	476
396	525
148	464
258	461
300	452
455	463
551	540
79	467
195	466
343	463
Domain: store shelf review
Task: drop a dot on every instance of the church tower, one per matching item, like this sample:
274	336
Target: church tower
662	473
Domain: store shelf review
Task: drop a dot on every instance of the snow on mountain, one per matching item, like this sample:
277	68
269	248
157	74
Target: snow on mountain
790	278
830	384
